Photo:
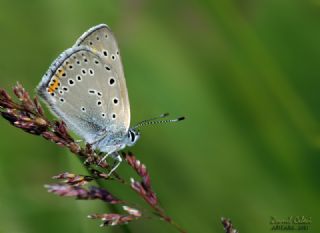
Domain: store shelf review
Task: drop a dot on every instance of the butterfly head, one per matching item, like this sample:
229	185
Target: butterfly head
132	137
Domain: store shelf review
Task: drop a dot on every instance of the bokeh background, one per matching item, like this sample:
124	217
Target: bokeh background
245	73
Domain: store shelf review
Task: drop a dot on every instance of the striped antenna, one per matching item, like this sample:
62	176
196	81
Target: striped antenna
156	120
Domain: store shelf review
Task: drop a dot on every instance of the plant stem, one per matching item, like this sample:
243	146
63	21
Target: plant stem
169	220
112	208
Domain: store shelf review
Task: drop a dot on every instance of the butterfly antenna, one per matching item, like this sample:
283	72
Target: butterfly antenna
164	115
155	120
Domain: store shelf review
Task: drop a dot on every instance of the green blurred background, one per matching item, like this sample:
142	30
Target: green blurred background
244	72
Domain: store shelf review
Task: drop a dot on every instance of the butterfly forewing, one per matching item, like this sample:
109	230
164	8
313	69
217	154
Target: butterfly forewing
84	90
101	39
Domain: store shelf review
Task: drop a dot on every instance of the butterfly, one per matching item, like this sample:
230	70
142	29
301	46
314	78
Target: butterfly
86	88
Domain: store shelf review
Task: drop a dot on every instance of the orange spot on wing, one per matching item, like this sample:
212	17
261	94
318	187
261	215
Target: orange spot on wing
54	84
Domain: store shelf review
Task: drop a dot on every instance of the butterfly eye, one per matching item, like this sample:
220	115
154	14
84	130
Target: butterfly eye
131	136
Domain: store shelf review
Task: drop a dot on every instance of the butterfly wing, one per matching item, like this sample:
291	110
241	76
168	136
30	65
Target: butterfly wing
101	39
84	92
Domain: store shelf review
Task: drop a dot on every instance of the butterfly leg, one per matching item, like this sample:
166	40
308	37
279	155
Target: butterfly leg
118	160
103	159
